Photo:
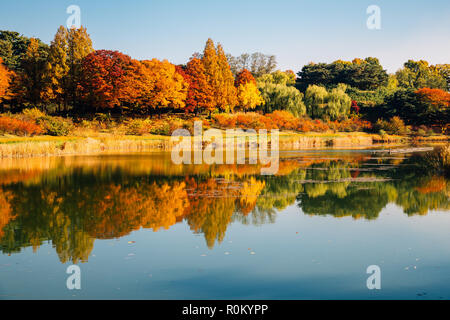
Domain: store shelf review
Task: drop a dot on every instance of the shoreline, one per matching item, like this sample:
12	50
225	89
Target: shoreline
43	146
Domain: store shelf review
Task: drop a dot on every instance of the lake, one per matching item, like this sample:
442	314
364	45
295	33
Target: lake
140	227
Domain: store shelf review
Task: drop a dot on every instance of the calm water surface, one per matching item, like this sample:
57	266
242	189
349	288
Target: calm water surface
140	227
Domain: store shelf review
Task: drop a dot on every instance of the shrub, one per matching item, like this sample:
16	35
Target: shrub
350	125
163	127
55	126
284	120
33	114
160	128
19	127
137	126
394	126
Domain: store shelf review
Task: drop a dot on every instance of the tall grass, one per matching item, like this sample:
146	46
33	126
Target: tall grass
80	147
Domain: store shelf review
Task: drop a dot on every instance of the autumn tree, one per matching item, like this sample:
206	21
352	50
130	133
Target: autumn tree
249	96
5	80
57	69
200	94
244	77
436	105
164	86
219	76
30	82
106	79
227	95
79	45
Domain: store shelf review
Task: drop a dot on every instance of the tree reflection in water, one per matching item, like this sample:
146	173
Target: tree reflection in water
73	201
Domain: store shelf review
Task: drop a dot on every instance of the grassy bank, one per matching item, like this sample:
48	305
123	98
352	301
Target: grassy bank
14	147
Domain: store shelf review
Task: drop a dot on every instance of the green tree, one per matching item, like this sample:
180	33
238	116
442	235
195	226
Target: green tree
13	48
281	97
326	105
419	74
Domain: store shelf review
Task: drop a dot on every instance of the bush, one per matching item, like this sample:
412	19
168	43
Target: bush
137	126
284	120
163	127
55	126
33	114
308	125
350	125
250	120
19	127
394	126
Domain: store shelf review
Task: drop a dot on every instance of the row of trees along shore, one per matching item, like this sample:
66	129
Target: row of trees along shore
70	78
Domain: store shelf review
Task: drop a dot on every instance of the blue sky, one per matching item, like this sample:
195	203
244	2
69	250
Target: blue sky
296	31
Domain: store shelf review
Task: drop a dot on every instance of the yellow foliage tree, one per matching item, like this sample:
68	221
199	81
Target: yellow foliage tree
249	96
57	68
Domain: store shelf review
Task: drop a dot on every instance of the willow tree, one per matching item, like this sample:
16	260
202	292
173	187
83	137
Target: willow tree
327	105
281	97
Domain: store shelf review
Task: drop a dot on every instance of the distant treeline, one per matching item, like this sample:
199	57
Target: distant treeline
69	77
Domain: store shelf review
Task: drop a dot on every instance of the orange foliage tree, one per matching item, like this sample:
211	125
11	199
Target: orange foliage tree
436	106
106	79
200	94
164	86
243	78
437	97
5	80
219	76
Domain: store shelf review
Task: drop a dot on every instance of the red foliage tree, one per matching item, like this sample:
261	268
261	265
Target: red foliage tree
190	107
200	94
243	78
108	79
